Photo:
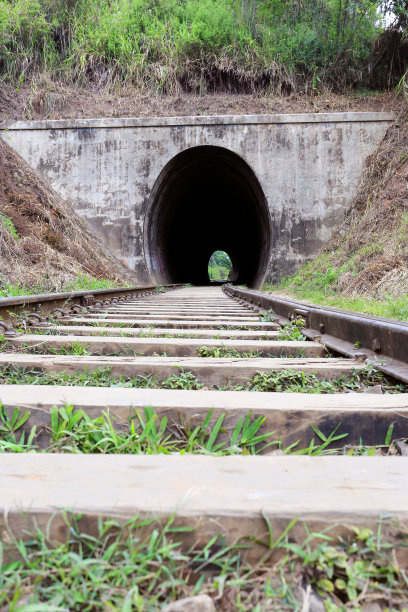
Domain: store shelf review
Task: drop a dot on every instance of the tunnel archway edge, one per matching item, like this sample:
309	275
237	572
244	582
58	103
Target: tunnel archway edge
207	198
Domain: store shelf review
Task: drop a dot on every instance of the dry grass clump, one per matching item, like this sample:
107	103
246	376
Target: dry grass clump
42	240
373	238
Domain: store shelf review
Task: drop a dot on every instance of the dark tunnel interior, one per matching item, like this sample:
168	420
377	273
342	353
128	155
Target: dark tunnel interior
207	199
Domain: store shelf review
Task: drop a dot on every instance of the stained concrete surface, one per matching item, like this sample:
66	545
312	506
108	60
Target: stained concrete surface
164	193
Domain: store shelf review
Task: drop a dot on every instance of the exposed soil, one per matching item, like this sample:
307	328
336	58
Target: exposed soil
375	230
48	100
42	240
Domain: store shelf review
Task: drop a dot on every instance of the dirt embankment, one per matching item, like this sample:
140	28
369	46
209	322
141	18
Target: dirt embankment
371	246
43	242
49	100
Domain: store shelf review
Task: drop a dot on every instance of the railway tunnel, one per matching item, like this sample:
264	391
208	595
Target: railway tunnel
207	198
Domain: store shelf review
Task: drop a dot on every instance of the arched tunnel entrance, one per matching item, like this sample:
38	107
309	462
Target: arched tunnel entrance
207	199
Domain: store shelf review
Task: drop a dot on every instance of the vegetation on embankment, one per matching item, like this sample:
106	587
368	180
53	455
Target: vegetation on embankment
81	282
197	45
365	265
44	246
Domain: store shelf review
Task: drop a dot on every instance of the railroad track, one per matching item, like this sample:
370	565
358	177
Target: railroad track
209	346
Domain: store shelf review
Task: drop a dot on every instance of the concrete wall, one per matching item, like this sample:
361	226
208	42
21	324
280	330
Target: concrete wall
308	166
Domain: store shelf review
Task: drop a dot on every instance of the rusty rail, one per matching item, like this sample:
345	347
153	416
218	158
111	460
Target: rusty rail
40	306
364	337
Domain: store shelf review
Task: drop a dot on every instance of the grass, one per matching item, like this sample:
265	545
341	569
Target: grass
74	348
239	327
81	283
184	380
8	224
73	431
268	316
225	351
318	282
151	334
101	377
294	381
292	330
100	323
390	307
289	380
143	564
147	433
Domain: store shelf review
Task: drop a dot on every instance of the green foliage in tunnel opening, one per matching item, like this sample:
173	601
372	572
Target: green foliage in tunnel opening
236	45
219	266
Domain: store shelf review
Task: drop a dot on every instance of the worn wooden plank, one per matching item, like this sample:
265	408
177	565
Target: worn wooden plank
184	347
89	330
217	495
180	324
176	316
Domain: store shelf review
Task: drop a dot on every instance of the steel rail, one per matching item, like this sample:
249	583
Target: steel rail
364	337
40	306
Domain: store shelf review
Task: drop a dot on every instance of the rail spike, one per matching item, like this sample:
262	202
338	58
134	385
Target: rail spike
35	319
8	332
58	313
78	309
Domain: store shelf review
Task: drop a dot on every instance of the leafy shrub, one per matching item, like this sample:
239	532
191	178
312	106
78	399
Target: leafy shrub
8	224
162	43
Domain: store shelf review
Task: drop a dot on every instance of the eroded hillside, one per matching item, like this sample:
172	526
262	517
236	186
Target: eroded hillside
372	245
43	243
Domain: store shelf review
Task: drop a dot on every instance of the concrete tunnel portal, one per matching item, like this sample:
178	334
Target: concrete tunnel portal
207	198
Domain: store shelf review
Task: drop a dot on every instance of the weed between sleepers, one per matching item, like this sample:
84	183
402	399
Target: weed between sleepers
268	316
150	334
77	348
292	330
74	348
290	380
143	564
73	431
239	327
225	351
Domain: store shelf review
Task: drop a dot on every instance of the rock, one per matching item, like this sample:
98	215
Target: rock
402	447
372	607
312	602
316	603
200	603
375	389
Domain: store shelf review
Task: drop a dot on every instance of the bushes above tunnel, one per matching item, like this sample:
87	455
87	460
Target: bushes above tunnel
233	45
